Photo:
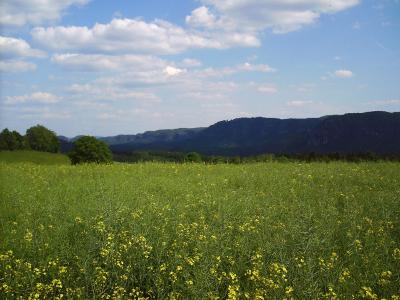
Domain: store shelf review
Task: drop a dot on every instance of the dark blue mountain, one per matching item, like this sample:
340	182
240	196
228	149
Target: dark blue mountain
377	132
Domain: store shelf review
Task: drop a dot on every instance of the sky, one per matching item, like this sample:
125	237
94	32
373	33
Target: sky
101	67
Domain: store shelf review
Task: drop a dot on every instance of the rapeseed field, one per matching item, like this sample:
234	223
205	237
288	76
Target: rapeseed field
195	231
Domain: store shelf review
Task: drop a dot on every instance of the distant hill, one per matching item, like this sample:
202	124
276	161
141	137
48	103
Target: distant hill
377	132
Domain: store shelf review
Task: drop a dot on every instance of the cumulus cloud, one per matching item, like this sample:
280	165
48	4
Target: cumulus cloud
37	97
201	17
101	62
15	66
344	74
13	47
133	35
21	12
255	15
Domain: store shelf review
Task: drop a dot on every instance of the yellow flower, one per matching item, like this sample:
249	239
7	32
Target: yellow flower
367	293
396	253
344	275
28	236
288	290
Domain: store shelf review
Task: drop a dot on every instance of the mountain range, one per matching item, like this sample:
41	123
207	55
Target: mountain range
377	132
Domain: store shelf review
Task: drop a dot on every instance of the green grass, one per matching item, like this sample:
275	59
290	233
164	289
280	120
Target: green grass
42	158
193	231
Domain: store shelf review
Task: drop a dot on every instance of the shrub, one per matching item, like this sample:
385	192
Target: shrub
88	149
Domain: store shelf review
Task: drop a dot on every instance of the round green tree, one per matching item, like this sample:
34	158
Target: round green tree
193	157
40	138
88	149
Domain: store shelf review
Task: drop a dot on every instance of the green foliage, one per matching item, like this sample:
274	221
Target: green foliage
194	231
41	158
40	138
11	140
88	149
193	157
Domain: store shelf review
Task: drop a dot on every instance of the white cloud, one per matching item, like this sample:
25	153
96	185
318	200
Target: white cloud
37	97
133	35
191	63
298	103
344	74
221	72
21	12
255	68
269	89
254	15
100	62
201	17
171	71
13	47
101	90
15	66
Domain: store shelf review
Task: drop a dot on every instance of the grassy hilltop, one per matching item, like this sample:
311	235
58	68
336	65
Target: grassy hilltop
194	231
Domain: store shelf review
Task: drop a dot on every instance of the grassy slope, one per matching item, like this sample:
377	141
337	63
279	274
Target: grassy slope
198	231
42	158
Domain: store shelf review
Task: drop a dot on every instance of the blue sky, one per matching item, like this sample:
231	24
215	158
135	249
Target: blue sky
104	67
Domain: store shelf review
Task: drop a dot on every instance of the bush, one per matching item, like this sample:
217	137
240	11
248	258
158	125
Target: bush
88	149
40	138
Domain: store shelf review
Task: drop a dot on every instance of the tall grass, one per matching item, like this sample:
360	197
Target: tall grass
193	231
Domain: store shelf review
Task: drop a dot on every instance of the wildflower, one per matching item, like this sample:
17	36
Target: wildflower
62	270
163	267
56	283
367	293
330	294
288	291
28	236
344	275
385	278
300	261
233	292
358	244
396	253
189	282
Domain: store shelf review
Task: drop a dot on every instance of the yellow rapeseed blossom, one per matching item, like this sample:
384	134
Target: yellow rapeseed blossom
28	236
367	293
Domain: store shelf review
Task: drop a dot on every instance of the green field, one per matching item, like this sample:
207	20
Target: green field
194	231
42	158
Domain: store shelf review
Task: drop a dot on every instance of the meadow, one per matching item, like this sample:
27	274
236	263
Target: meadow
195	231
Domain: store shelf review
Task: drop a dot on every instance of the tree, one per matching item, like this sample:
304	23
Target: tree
40	138
11	140
88	149
193	157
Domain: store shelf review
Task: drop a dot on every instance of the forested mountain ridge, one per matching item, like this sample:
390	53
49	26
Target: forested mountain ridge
377	132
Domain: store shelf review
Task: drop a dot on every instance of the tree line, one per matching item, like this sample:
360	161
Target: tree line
181	157
86	149
37	138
